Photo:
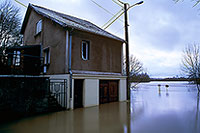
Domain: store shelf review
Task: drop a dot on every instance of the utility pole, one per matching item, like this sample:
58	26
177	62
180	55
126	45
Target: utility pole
127	50
125	7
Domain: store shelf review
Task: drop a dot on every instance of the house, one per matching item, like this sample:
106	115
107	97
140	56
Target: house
88	57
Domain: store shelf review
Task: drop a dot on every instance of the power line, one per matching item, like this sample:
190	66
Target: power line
105	10
127	6
102	7
119	30
21	3
110	20
117	3
114	19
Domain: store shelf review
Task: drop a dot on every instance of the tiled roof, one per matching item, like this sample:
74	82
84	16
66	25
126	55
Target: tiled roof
70	21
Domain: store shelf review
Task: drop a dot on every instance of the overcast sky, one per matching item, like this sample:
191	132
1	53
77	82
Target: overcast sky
158	32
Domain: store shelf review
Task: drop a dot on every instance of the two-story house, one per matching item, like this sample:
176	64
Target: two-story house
87	56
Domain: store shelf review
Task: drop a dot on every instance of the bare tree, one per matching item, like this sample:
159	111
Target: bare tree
191	63
135	66
10	22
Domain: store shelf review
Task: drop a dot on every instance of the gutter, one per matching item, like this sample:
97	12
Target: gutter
69	68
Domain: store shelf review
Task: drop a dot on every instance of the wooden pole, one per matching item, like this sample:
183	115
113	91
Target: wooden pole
127	51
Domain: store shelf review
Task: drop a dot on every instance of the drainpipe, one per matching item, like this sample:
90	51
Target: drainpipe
69	68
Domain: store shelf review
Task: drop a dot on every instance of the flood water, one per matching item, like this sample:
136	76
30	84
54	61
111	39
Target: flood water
169	110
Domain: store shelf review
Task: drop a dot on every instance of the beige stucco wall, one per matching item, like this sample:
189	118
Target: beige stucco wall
30	37
55	38
52	36
105	53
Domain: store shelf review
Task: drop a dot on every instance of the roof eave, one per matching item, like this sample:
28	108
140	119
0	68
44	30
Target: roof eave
30	7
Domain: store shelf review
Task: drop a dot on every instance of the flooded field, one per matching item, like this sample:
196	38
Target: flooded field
171	110
152	110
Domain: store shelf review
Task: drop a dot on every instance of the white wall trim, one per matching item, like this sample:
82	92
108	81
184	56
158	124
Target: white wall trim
83	76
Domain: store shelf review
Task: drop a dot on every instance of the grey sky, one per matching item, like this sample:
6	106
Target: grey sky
159	29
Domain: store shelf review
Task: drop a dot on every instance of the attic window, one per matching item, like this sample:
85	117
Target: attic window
38	27
85	50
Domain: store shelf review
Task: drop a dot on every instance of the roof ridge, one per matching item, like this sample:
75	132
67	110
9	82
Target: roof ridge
58	12
72	21
67	16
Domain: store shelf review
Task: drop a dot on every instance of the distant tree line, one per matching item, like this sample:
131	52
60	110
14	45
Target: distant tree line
170	79
140	77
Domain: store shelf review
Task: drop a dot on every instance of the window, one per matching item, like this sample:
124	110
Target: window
46	56
46	59
16	58
39	27
85	50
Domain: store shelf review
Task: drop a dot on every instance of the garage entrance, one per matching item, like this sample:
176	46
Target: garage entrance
108	91
78	93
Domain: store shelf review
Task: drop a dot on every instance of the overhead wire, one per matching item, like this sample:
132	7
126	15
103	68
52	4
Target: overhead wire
119	30
105	9
121	5
102	7
117	3
129	6
21	3
110	20
114	20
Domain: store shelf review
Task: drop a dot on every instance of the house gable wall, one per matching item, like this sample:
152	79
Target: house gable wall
105	53
29	34
52	36
55	39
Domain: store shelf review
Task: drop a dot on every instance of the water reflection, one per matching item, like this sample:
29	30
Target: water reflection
107	118
174	110
197	122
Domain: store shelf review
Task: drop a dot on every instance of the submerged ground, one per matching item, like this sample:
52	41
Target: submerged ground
171	110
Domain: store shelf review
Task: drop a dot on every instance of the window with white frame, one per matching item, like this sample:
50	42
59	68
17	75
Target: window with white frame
46	59
46	56
85	50
16	58
38	27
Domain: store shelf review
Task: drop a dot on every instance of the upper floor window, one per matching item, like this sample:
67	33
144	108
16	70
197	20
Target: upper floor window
85	50
38	27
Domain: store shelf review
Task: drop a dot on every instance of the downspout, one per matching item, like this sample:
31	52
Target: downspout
70	67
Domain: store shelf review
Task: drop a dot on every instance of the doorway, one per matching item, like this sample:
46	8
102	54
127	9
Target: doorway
108	91
78	93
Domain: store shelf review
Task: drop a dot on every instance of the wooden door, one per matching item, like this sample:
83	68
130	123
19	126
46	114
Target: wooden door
103	91
108	91
78	93
113	91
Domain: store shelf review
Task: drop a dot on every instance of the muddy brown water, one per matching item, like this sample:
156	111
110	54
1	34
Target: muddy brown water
174	109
